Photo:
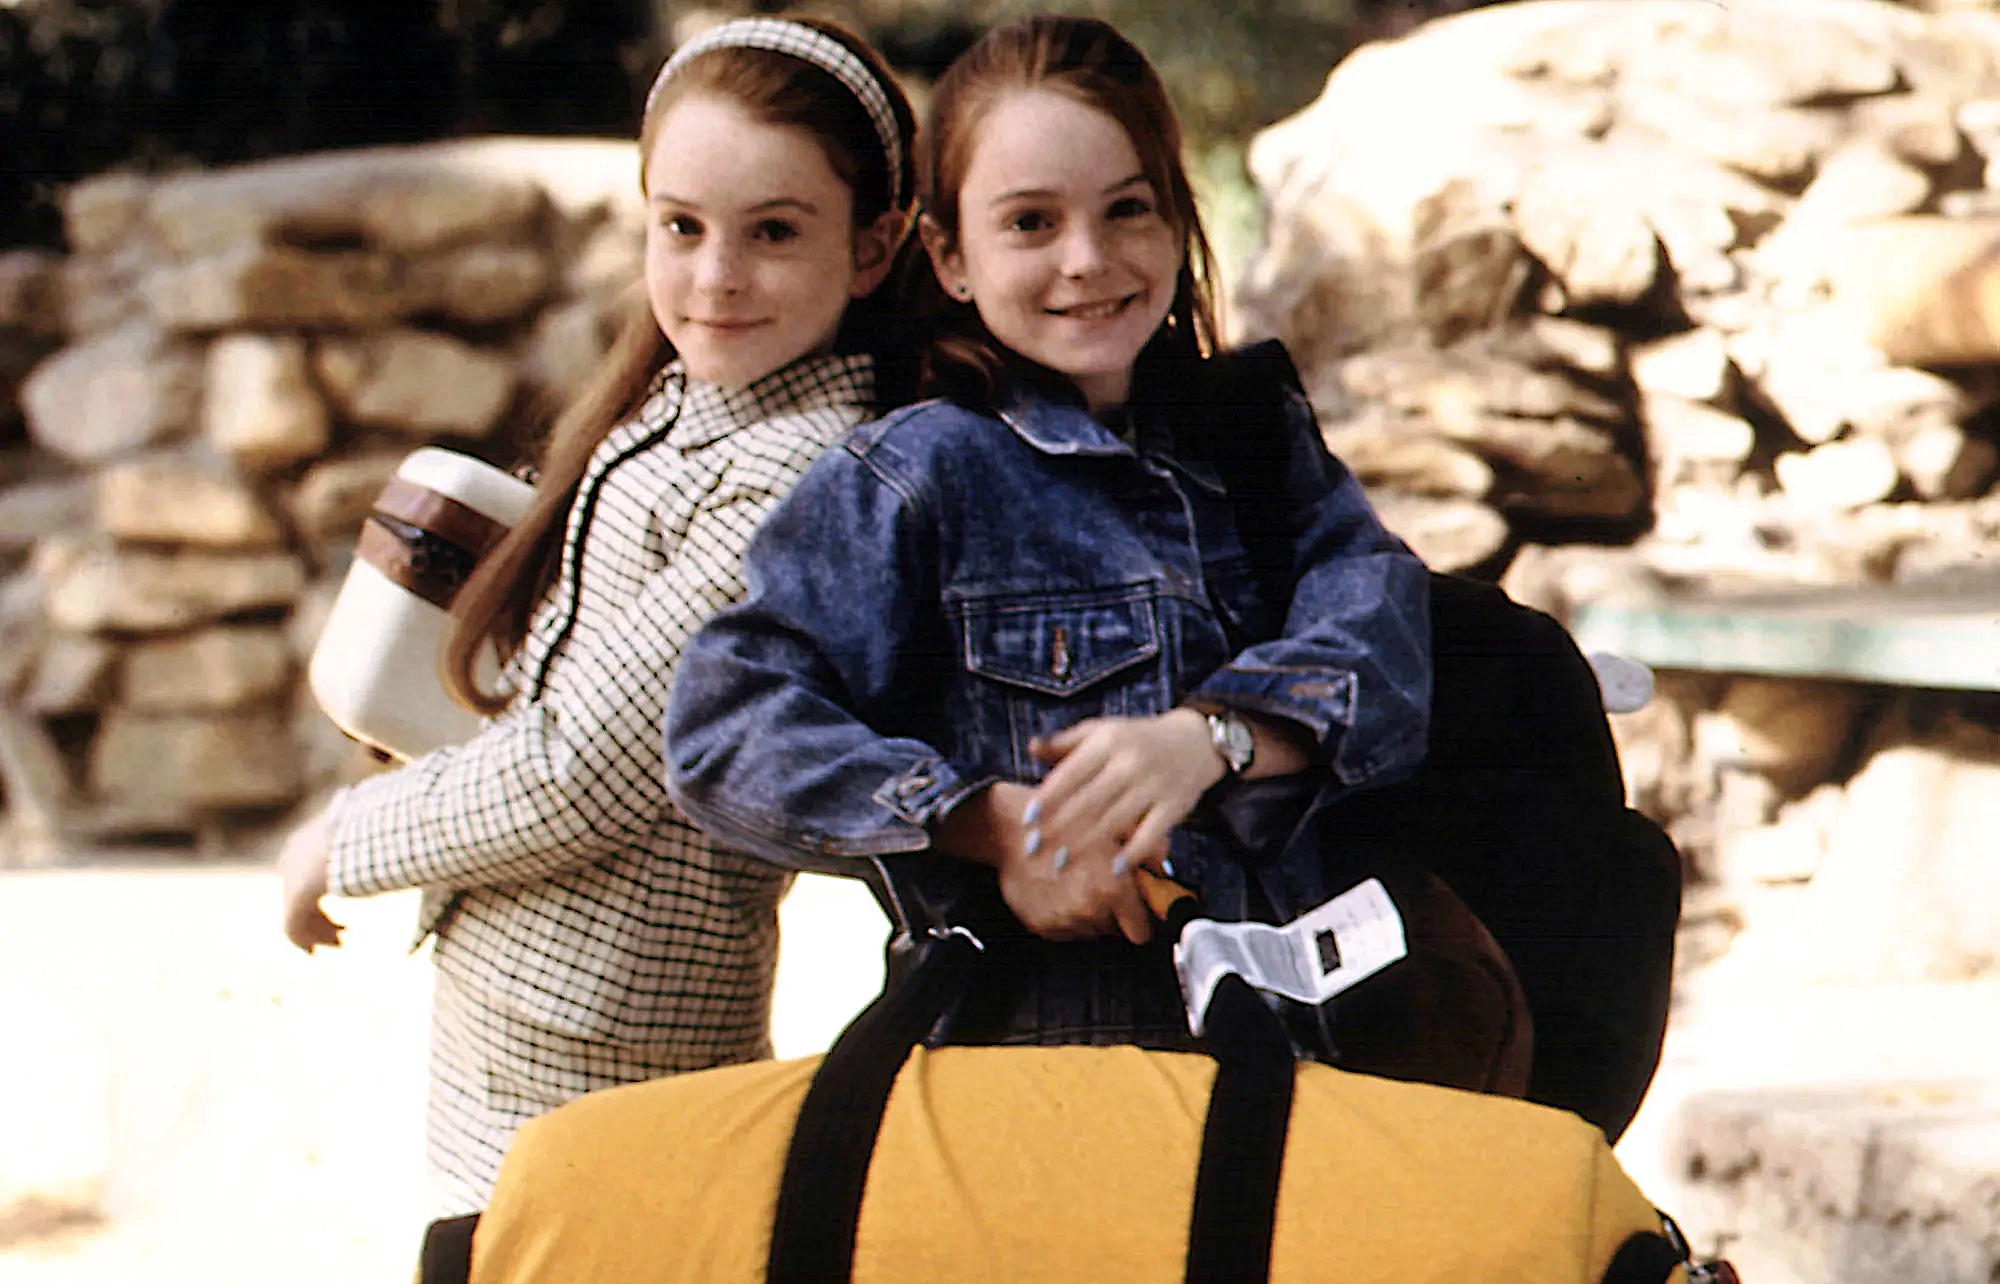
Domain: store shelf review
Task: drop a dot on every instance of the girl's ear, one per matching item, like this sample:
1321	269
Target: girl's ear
875	249
946	261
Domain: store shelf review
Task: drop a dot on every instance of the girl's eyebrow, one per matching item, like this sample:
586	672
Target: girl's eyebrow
762	207
1043	193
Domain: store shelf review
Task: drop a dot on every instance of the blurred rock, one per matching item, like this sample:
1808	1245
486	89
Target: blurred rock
93	589
416	382
1448	534
1826	1181
221	668
37	508
279	286
564	349
1839	474
73	673
1906	891
229	760
1943	461
31	292
112	394
175	499
23	631
260	406
1404	459
395	199
483	284
336	495
1791	731
1693	365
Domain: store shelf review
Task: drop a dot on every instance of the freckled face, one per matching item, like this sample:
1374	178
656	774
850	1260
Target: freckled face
750	247
1062	241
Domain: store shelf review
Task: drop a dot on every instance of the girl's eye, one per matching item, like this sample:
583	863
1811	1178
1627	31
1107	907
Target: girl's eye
1131	207
681	225
777	231
1030	221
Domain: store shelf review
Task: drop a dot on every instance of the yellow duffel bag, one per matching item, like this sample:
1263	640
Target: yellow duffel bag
885	1161
1012	1164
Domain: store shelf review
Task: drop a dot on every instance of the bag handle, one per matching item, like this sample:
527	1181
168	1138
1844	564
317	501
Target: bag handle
1243	1140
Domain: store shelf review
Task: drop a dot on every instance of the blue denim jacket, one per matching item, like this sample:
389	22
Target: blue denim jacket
949	585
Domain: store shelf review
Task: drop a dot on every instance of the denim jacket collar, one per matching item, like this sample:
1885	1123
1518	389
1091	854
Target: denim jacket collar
1058	427
1064	428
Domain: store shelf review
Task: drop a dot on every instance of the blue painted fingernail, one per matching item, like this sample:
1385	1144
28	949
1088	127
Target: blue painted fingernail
1032	843
1118	863
1061	858
1032	812
1167	867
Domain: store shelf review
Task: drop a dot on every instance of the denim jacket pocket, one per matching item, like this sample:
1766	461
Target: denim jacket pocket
1037	663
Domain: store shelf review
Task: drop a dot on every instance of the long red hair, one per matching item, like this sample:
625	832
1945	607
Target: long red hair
494	607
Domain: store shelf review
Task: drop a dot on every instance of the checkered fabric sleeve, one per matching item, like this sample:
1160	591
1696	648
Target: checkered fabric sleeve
575	774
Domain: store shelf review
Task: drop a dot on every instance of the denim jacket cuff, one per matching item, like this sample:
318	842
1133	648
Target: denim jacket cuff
928	790
1320	700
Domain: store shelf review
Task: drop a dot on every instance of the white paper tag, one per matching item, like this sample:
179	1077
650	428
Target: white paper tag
1311	959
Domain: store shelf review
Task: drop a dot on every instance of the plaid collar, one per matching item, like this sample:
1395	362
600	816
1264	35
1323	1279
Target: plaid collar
708	412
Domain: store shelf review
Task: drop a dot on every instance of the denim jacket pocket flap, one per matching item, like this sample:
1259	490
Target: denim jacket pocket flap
1060	646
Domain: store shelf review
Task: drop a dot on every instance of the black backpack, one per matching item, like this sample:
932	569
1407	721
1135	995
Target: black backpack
1520	803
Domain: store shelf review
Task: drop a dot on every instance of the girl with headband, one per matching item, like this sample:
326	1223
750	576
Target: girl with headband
586	934
1104	603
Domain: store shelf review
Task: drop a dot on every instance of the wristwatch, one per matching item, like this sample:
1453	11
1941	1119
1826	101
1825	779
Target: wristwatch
1233	741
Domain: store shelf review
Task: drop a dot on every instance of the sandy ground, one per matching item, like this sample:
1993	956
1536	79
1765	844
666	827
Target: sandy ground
237	1111
242	1112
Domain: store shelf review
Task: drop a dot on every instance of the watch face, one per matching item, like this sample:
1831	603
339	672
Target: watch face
1234	741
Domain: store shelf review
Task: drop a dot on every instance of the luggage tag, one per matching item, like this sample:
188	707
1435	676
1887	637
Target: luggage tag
1312	958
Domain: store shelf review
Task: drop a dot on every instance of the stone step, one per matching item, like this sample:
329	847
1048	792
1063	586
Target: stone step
1862	1183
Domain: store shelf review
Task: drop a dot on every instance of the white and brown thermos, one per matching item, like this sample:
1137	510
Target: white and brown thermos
375	669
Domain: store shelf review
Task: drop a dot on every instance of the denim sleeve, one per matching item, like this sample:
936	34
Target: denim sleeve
770	740
1353	665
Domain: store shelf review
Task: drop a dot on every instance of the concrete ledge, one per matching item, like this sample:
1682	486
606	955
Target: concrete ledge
1864	1183
1906	637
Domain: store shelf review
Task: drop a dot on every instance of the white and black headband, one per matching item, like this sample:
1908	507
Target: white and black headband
816	47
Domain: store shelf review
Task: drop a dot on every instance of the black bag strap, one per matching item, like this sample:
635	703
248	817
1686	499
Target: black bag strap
826	1166
1243	1140
447	1251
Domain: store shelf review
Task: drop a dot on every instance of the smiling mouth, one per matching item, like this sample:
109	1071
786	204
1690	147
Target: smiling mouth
1102	311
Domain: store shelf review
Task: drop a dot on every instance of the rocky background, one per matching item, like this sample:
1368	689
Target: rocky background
246	355
1607	299
1667	300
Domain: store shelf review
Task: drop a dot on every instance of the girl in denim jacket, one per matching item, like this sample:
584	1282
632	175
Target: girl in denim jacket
587	934
1023	625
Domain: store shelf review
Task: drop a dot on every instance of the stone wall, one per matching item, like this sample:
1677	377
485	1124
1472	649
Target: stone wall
245	357
1668	297
1667	300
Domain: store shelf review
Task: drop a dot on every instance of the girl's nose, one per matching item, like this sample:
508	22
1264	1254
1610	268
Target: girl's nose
719	267
1084	251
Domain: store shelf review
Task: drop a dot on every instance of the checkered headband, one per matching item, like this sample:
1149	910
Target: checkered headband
821	50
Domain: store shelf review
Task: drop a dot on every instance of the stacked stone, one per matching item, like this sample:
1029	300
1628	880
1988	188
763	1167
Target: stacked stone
1715	288
1669	267
250	354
